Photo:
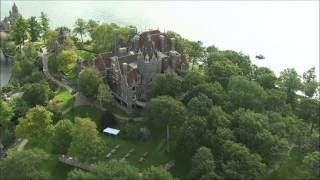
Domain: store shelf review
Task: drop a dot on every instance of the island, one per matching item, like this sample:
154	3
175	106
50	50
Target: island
105	101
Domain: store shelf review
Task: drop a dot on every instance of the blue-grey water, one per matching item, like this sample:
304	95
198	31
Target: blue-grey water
286	33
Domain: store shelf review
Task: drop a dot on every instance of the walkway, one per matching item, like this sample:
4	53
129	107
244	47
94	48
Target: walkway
47	73
73	162
22	144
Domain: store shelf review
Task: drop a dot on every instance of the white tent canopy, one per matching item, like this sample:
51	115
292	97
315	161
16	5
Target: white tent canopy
111	131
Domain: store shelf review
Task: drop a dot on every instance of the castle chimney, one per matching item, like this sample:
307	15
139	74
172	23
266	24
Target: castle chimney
161	43
173	44
124	69
116	42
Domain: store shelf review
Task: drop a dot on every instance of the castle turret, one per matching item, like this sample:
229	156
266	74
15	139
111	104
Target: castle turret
173	44
162	43
124	69
116	42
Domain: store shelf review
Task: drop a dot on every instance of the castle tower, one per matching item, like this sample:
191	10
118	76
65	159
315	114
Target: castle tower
173	44
162	43
116	42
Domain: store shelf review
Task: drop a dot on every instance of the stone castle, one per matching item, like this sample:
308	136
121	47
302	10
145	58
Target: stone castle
131	66
5	24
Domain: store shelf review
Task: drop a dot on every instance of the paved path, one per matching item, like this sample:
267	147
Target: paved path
21	145
47	73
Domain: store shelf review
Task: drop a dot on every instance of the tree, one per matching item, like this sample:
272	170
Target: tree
115	170
103	36
80	27
214	91
311	164
246	94
89	81
20	31
193	134
193	79
166	84
36	93
27	164
34	28
51	36
78	174
222	71
252	129
156	173
90	26
36	126
196	52
240	163
290	82
66	61
166	111
44	21
276	100
217	118
310	83
202	163
200	105
309	110
86	145
104	95
6	113
265	77
61	136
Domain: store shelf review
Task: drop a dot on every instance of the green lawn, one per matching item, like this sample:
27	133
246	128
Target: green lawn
155	146
63	99
83	112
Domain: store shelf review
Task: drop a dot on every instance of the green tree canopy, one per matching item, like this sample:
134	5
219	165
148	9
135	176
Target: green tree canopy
61	136
44	21
156	173
103	36
200	105
86	145
36	126
36	93
202	163
290	82
20	31
67	61
193	79
222	71
166	84
165	111
89	81
240	163
34	28
246	94
27	164
265	77
80	27
6	113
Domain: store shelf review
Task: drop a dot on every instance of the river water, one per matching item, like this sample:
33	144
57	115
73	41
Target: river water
286	33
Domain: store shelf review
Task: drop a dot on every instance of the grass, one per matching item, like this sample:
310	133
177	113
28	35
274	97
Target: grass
63	99
83	112
154	146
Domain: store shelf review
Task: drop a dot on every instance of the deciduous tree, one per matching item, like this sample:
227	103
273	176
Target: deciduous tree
36	126
86	145
165	111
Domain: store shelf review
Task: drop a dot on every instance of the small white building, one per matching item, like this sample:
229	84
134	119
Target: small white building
111	131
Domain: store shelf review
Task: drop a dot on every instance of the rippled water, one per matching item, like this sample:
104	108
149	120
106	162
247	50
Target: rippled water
286	33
